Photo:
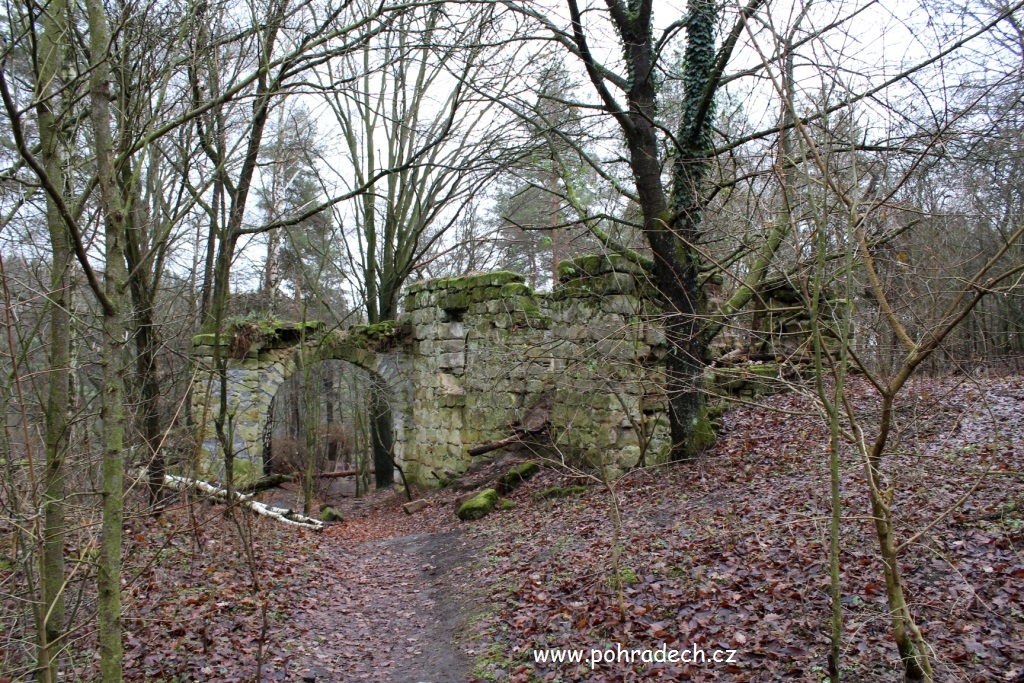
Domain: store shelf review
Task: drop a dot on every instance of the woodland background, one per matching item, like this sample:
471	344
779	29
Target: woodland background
837	187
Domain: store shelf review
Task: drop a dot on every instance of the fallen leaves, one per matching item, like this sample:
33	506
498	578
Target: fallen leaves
728	552
733	550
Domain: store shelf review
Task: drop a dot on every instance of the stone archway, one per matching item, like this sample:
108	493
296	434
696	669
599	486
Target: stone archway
273	352
470	357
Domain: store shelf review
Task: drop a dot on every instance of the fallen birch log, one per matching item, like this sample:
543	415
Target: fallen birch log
280	514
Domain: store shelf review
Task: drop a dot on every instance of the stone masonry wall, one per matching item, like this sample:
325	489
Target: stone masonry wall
487	349
472	355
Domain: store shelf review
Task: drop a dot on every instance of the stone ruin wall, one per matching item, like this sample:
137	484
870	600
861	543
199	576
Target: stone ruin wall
468	359
486	349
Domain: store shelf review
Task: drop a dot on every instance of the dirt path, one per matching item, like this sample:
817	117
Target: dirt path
384	610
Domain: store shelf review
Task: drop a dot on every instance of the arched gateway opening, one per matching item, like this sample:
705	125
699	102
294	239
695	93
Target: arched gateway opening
261	357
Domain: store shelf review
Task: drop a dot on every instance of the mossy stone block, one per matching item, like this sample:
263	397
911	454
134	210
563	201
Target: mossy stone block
561	492
703	435
478	506
210	339
245	472
330	514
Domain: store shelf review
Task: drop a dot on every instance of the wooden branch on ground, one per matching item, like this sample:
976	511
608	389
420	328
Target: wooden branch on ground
244	500
271	481
535	422
342	473
495	445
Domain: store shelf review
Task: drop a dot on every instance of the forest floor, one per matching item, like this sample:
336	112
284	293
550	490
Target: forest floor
729	552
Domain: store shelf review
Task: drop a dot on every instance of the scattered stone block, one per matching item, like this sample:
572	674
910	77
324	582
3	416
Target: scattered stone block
330	514
415	506
478	506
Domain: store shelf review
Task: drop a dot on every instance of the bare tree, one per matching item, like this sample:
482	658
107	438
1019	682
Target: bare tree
418	144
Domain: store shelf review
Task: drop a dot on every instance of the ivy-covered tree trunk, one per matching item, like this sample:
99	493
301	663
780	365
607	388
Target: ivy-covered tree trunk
671	221
688	335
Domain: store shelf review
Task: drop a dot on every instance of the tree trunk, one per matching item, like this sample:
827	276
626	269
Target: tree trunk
143	288
332	443
268	436
112	406
147	343
52	153
672	230
311	400
908	639
916	667
383	439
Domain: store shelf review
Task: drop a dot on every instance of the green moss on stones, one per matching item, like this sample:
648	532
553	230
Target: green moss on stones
561	492
506	504
467	282
245	472
373	337
514	289
516	476
716	409
209	339
478	506
264	330
764	370
456	300
592	265
330	514
703	435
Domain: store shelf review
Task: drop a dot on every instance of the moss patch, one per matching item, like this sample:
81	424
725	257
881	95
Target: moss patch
627	577
478	506
561	492
243	333
209	339
591	265
703	435
245	472
498	279
375	337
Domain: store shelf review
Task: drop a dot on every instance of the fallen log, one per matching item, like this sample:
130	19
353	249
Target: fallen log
342	473
535	423
495	445
271	481
245	500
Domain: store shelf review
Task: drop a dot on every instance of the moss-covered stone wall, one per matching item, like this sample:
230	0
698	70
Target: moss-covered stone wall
487	349
473	355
